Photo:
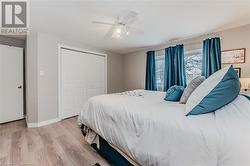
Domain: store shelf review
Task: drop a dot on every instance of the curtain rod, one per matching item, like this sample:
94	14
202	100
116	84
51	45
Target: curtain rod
170	42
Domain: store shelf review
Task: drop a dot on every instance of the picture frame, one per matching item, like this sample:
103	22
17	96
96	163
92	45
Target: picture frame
238	71
233	56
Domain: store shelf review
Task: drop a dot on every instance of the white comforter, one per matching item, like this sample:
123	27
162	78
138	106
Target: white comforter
155	132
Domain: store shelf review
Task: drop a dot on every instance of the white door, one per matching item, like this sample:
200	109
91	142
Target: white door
11	83
82	76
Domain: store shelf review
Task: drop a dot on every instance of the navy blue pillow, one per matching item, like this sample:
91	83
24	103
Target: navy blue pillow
174	93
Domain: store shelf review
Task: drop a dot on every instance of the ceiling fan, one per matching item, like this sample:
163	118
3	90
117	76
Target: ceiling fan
122	26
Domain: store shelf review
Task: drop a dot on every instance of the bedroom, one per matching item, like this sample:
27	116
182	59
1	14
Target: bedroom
114	63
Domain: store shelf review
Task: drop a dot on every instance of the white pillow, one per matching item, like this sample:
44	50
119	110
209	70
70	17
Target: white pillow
219	89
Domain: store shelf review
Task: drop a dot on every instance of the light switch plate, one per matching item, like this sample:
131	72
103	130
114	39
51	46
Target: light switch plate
42	73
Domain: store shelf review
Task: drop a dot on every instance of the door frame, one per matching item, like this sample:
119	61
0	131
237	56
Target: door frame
68	47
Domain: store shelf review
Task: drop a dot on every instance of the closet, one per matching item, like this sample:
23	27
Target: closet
82	75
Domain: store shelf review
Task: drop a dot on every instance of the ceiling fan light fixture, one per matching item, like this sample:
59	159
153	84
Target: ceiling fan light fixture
118	35
121	27
118	30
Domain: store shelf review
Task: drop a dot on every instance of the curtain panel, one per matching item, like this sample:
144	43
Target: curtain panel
174	73
150	83
211	58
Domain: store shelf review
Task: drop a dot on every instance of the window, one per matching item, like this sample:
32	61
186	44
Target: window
193	64
192	60
159	67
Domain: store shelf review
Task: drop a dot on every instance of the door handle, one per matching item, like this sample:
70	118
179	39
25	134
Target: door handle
19	87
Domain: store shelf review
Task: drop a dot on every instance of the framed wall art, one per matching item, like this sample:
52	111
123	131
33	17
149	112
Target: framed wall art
233	56
238	71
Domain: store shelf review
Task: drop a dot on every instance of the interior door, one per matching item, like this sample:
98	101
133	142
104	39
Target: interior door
11	83
82	76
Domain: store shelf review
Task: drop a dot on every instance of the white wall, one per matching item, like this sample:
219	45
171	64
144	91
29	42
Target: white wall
42	98
135	63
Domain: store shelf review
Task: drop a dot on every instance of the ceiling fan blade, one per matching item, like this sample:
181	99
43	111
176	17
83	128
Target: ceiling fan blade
103	23
109	34
134	30
130	17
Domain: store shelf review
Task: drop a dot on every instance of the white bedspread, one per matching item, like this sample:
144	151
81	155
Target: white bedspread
155	132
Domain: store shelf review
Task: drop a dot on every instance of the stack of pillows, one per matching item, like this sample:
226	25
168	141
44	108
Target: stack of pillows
203	96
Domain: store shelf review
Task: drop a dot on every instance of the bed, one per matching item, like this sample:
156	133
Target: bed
150	131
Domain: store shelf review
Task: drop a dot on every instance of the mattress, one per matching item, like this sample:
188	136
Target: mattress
152	131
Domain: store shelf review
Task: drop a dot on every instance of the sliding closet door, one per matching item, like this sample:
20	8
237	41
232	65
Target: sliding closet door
11	83
95	75
82	76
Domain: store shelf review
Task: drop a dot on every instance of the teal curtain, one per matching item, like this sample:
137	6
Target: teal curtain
211	59
150	83
174	73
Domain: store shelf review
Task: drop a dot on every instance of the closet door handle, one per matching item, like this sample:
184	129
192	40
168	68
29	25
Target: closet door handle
19	87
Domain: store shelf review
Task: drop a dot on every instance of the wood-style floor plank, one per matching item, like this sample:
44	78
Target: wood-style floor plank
58	144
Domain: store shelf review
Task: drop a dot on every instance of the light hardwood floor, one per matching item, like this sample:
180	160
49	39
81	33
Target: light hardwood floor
56	144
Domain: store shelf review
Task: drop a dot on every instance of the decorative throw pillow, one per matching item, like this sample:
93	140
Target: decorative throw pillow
215	92
248	97
190	88
174	93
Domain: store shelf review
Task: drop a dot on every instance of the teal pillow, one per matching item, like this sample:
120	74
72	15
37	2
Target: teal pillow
216	91
248	97
174	93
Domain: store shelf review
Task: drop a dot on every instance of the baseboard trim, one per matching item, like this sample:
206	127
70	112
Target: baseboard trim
43	123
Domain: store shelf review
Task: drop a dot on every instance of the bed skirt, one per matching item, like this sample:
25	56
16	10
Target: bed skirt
108	151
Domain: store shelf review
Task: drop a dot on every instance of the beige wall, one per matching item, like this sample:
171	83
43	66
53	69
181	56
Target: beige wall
135	63
115	73
238	38
134	70
42	91
31	78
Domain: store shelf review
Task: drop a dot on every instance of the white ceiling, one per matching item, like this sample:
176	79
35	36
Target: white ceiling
160	20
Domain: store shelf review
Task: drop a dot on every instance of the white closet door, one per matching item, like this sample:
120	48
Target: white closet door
11	83
95	75
82	77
